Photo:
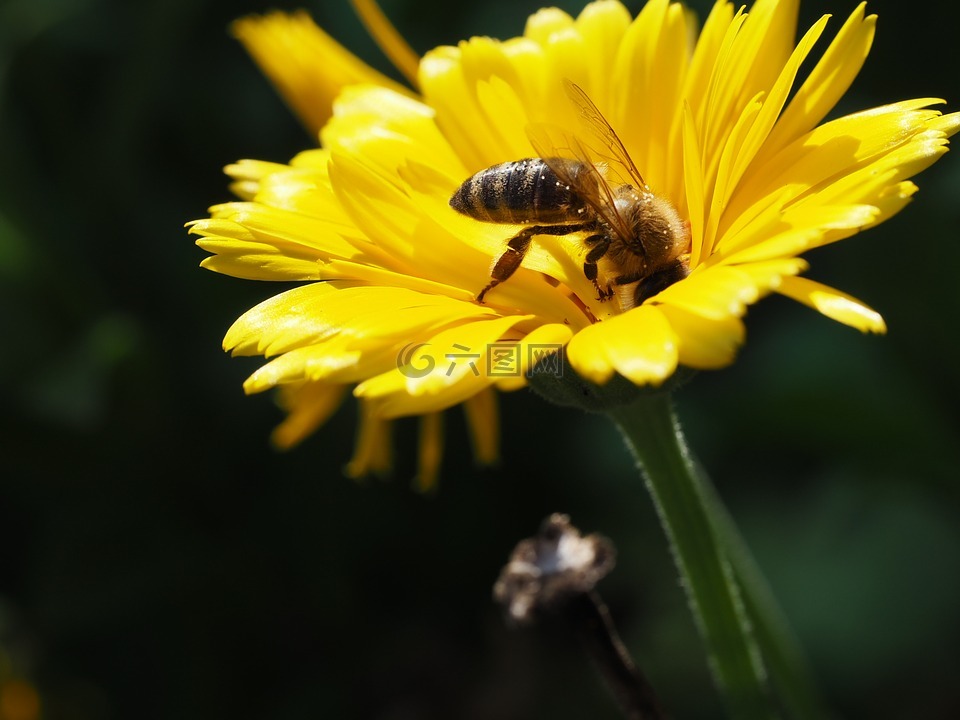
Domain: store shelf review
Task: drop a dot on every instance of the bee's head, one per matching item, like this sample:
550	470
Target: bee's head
661	234
661	279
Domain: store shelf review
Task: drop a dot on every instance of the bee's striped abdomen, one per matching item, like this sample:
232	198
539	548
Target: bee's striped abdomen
523	192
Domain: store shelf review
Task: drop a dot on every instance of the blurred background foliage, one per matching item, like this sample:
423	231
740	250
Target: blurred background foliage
159	560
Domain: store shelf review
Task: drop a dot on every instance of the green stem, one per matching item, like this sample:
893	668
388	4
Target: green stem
788	668
651	430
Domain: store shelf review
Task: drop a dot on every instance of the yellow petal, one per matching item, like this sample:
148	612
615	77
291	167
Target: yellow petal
368	153
705	343
720	101
450	78
312	313
305	189
440	372
652	61
331	362
373	275
247	175
720	180
308	67
252	263
441	78
483	421
506	118
308	406
751	57
390	41
851	161
892	200
546	23
830	152
704	59
640	345
721	291
430	451
674	47
773	103
833	303
693	187
633	114
828	81
239	227
763	47
512	362
373	450
385	128
602	25
781	234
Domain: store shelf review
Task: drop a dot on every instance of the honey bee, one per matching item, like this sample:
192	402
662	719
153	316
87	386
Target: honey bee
640	235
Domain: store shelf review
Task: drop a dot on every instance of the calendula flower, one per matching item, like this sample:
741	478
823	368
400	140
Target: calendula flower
718	120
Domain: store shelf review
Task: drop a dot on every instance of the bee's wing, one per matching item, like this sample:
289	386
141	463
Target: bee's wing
601	131
577	167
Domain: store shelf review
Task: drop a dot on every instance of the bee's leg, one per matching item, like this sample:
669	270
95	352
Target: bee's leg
651	283
517	247
508	263
599	244
631	278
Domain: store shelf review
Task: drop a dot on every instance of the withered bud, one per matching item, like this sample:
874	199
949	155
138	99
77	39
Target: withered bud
548	569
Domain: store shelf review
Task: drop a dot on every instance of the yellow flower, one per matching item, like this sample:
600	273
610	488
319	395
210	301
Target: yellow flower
719	123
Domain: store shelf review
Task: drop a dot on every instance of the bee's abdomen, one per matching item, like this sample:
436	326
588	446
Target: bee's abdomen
524	192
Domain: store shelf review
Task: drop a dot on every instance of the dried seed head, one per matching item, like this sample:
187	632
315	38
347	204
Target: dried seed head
546	570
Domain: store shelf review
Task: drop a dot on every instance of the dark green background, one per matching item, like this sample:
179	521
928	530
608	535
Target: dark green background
159	560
